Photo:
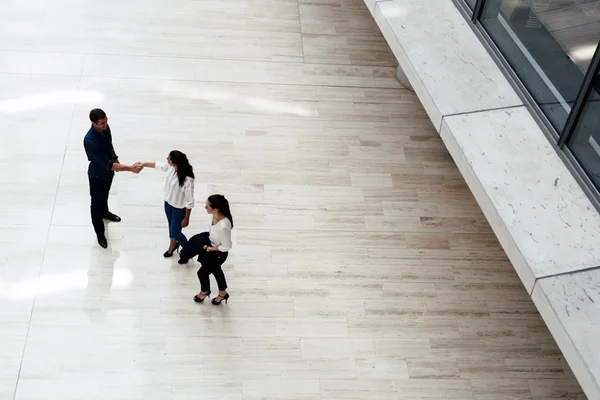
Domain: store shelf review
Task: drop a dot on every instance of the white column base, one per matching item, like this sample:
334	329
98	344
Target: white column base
401	76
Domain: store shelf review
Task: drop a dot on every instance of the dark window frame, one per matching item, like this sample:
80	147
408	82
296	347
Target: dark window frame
584	90
556	139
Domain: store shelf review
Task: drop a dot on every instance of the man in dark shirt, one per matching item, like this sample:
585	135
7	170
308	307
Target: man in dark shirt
103	164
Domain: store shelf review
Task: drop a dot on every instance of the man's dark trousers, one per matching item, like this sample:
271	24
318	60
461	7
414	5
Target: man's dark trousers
99	190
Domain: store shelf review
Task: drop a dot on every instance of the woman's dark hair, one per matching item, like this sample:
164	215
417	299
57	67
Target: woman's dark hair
220	203
184	169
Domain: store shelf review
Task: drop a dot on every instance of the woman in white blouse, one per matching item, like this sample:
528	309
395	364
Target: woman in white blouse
212	248
179	196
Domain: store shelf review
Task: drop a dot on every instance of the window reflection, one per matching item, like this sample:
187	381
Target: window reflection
585	142
549	44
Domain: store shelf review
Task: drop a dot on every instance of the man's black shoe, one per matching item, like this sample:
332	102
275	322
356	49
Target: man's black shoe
112	217
102	241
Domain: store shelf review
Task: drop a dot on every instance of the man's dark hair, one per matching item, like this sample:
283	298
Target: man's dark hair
97	114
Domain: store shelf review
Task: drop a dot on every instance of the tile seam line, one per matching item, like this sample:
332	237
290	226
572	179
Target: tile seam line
174	57
300	31
318	85
305	230
482	110
45	246
558	274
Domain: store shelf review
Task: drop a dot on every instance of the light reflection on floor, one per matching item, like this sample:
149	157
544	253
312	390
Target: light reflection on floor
43	100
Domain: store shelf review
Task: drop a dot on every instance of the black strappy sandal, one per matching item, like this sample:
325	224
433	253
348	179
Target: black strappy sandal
216	303
200	300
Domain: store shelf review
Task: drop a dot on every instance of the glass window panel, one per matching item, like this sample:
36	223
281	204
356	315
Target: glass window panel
585	142
549	44
471	3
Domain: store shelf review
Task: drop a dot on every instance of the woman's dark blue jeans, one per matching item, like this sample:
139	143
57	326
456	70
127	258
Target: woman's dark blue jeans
174	217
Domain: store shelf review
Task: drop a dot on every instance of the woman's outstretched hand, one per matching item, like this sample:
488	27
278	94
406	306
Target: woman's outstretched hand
137	167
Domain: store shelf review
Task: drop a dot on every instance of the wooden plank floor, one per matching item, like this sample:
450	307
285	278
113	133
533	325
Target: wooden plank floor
363	268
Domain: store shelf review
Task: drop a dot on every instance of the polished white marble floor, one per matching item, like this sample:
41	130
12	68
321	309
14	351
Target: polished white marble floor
362	269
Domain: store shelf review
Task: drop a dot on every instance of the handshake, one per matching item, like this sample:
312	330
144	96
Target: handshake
137	167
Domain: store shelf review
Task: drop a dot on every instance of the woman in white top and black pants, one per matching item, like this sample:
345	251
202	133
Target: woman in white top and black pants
212	248
179	196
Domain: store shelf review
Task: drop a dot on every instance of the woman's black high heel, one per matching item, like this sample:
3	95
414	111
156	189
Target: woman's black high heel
169	254
200	300
216	303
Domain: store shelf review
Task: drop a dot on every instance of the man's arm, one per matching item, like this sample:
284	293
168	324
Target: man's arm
121	167
115	156
105	161
109	134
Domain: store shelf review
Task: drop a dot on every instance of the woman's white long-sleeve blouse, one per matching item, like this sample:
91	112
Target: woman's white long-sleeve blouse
177	196
220	235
